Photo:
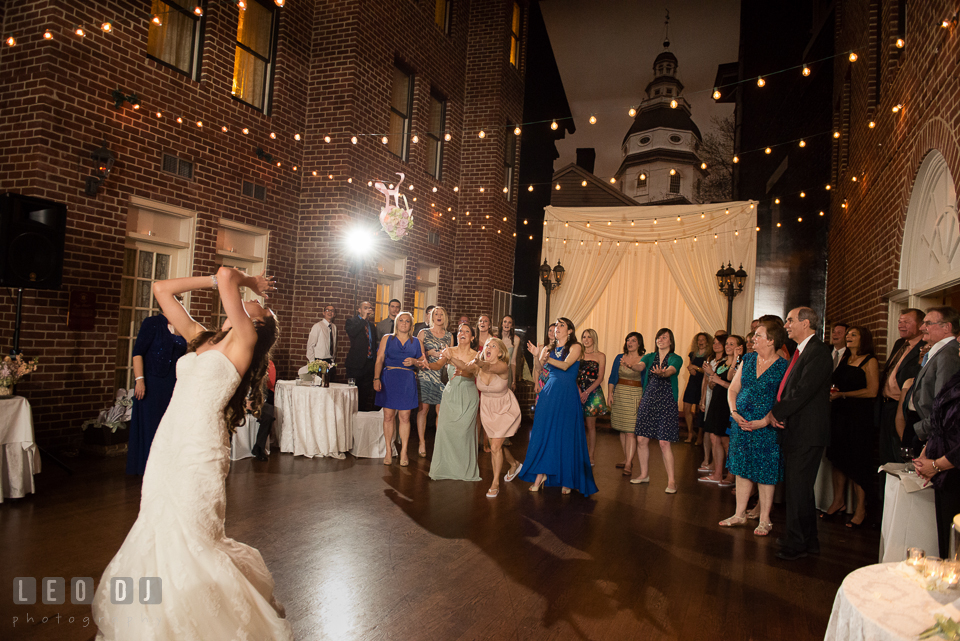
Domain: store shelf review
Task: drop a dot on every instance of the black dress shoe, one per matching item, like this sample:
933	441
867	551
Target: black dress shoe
258	452
791	555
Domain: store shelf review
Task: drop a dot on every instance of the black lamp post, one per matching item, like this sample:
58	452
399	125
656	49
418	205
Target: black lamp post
549	285
730	282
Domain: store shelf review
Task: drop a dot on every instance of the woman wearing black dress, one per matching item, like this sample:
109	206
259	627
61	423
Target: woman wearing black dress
699	353
855	384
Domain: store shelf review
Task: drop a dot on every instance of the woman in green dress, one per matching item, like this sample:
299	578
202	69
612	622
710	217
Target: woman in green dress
455	446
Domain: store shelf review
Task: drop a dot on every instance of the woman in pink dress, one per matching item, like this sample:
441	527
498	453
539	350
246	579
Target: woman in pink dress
498	408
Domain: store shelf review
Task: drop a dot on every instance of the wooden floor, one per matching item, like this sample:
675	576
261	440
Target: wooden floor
360	551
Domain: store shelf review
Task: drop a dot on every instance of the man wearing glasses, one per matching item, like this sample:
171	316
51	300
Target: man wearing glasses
940	328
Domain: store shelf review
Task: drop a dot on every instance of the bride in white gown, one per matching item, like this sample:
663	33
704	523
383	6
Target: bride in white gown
213	588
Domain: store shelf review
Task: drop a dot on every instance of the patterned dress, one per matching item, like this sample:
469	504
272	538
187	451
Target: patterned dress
431	388
658	417
756	455
596	404
626	400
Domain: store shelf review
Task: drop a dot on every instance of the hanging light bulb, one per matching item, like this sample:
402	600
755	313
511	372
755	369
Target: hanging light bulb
179	120
703	165
530	188
821	213
673	104
156	20
434	190
554	125
456	189
778	224
80	32
900	43
325	138
245	131
803	194
716	94
516	131
296	137
673	172
506	189
11	41
279	3
768	151
643	176
761	82
632	112
896	108
557	187
736	159
803	143
447	137
106	26
481	189
200	123
48	35
776	201
836	134
827	187
224	129
159	114
871	124
353	140
384	140
481	134
415	139
806	70
852	57
314	173
592	120
242	5
853	179
799	219
613	181
295	168
583	183
198	10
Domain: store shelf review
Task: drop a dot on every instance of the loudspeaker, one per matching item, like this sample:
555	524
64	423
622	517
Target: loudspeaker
32	232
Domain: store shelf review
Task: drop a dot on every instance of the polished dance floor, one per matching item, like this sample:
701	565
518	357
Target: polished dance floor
363	551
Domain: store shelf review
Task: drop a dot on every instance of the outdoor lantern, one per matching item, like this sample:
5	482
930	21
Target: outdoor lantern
722	278
558	272
102	164
545	273
741	278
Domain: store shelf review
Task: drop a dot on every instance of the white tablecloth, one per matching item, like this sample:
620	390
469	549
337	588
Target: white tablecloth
241	445
877	603
19	456
368	441
909	521
315	421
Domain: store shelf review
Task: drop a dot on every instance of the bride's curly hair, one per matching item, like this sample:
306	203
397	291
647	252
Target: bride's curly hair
268	330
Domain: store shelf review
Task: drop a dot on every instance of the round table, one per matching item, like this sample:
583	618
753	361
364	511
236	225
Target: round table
315	421
878	603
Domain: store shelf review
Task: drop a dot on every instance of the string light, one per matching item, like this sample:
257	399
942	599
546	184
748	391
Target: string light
852	57
353	140
703	165
554	125
896	108
245	131
224	129
415	139
673	172
802	143
48	35
198	10
516	131
643	176
821	213
592	120
736	159
156	20
296	137
530	188
871	124
11	41
583	183
279	3
803	194
799	219
853	179
524	221
776	201
900	43
200	123
456	189
434	190
613	181
325	138
179	120
314	173
827	187
384	140
557	187
836	134
481	134
159	114
806	70
80	32
106	26
768	151
673	104
716	94
761	82
632	112
447	137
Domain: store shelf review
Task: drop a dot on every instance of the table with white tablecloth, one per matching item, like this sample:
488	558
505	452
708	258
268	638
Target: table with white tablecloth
315	421
880	603
909	521
19	456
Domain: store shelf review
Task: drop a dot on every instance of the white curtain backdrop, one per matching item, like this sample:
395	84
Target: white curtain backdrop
640	269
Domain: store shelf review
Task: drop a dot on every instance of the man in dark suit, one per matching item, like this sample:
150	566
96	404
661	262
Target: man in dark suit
903	364
940	328
802	410
362	355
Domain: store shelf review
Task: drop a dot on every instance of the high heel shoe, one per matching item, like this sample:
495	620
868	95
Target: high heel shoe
565	490
423	454
829	516
537	485
855	526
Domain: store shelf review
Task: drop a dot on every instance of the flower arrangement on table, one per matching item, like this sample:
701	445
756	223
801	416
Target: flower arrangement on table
945	627
117	416
320	367
394	219
12	369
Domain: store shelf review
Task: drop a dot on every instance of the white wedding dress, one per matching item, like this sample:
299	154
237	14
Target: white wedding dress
213	588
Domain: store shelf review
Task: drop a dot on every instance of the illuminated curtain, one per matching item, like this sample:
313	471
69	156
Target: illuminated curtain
172	40
254	30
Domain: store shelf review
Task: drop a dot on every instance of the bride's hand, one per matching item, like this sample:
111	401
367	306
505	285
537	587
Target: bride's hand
261	284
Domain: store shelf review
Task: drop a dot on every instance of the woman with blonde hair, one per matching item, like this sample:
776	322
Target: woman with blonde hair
433	340
699	353
498	408
590	380
179	532
395	381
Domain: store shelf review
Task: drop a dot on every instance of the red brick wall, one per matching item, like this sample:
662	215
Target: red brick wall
866	237
333	74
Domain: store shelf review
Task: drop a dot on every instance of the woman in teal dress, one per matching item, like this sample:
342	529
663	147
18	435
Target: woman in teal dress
658	417
455	446
754	442
557	454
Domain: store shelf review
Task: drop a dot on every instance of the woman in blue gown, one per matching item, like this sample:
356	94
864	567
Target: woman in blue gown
754	441
395	381
155	356
557	454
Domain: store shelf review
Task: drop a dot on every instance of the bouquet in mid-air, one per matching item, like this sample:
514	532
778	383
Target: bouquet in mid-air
394	219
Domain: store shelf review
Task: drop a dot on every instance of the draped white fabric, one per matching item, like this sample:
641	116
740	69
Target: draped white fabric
315	421
615	286
19	456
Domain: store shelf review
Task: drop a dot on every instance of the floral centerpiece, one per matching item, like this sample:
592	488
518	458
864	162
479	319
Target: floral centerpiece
321	369
394	219
12	369
117	416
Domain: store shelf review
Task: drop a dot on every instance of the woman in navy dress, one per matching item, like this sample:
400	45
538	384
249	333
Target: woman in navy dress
658	417
699	354
155	356
754	442
557	454
395	381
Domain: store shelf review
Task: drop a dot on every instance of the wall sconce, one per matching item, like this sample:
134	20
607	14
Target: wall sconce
119	98
103	162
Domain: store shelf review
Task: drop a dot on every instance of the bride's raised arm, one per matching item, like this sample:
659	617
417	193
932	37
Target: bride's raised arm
164	291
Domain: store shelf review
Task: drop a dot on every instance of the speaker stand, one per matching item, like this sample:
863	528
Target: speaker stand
14	352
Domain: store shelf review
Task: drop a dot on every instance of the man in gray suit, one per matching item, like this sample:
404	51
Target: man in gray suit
940	328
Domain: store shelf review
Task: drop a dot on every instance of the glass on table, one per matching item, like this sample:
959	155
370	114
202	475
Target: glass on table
915	558
950	574
351	382
931	567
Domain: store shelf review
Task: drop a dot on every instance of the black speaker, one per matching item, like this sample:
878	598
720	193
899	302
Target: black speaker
32	232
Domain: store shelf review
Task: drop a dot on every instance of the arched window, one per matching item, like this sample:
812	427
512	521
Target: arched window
675	184
641	180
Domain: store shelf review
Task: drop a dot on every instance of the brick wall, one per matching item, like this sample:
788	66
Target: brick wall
333	77
866	236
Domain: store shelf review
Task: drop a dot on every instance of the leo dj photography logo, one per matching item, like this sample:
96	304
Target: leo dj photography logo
53	590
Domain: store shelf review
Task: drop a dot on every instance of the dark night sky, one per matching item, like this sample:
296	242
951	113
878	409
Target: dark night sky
605	51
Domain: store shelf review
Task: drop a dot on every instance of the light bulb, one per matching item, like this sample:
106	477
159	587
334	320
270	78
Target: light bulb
482	134
557	187
447	137
673	104
159	114
799	219
106	26
199	123
80	32
279	3
593	119
245	131
852	57
415	139
295	167
836	134
353	140
224	129
350	180
806	70
613	181
778	224
384	140
821	213
314	173
896	108
456	189
505	190
827	187
11	41
296	137
871	124
803	194
767	150
736	159
273	136
525	221
643	176
156	20
516	131
554	125
481	189
434	190
703	165
530	188
325	138
716	94
673	172
198	10
776	201
583	183
179	120
242	5
761	82
803	143
853	179
632	112
48	35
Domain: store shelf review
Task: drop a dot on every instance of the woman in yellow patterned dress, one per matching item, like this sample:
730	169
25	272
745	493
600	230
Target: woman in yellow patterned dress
626	381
